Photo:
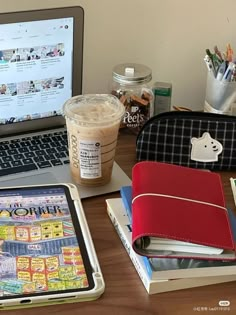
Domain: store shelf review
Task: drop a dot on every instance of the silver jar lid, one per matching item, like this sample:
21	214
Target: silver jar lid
131	73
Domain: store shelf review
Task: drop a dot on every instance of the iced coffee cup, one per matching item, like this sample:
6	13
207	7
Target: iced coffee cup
92	122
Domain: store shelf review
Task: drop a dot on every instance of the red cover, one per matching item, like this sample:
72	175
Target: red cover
180	203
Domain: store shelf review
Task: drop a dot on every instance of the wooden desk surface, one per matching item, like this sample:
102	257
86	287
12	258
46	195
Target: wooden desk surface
124	293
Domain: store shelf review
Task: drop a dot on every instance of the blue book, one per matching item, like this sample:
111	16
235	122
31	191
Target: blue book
156	267
232	218
126	195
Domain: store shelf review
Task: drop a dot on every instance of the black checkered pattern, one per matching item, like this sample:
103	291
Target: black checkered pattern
167	138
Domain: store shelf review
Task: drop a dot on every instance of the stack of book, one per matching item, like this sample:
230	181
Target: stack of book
178	234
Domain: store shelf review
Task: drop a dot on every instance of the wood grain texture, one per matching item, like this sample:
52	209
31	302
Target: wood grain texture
124	293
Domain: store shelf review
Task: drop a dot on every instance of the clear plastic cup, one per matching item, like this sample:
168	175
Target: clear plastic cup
220	95
93	122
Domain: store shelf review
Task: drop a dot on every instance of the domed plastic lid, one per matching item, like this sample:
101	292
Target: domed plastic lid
130	73
94	109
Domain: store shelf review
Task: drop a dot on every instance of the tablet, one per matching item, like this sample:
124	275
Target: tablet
46	251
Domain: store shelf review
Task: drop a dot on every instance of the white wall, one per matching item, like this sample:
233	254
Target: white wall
169	36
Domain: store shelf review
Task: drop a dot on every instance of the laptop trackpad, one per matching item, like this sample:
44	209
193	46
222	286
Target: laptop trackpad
28	180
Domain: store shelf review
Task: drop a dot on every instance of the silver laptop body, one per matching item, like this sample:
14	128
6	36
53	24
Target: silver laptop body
41	62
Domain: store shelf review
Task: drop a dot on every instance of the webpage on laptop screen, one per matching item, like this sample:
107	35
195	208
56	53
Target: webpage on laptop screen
35	68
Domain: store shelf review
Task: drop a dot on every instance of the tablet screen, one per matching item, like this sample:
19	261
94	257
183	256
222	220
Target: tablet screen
42	249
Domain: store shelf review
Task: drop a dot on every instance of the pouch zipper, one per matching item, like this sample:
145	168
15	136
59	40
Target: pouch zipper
189	115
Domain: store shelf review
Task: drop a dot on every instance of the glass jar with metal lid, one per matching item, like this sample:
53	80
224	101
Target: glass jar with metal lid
131	84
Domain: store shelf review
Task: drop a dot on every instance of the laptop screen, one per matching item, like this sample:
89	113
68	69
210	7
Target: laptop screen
37	64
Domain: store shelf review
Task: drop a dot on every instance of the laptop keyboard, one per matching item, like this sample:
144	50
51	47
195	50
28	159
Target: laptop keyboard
32	153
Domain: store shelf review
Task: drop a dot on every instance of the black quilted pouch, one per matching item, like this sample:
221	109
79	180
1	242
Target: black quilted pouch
193	139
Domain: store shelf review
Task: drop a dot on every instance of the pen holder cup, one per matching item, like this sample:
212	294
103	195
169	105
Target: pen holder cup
220	96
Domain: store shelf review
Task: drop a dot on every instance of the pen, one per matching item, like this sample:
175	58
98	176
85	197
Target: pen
229	53
233	73
218	53
216	61
221	71
210	55
209	65
227	74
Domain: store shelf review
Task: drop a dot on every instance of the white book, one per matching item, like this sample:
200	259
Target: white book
163	244
120	220
233	187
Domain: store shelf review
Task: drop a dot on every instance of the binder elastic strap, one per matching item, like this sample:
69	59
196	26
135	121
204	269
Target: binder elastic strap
179	198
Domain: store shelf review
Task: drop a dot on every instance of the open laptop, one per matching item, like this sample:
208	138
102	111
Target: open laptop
41	61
